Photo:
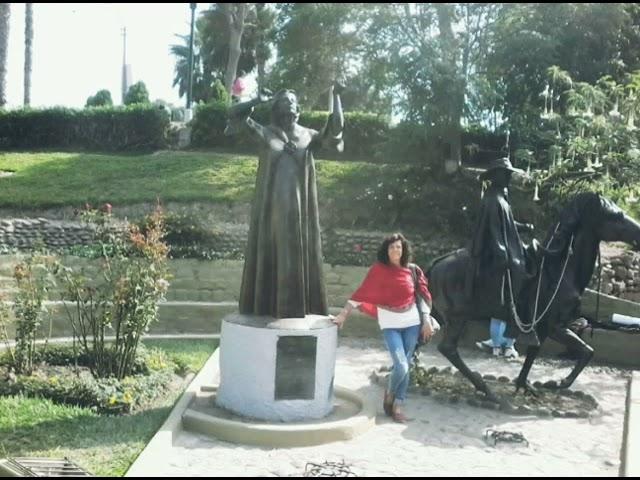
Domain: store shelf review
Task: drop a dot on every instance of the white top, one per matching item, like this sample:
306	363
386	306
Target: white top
389	319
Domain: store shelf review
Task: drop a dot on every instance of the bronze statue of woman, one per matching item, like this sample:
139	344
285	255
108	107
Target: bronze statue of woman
283	275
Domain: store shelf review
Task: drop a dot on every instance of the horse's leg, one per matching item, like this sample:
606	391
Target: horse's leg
449	348
532	354
522	382
568	338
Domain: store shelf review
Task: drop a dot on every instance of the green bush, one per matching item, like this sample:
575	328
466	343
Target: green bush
153	373
368	137
366	131
137	93
74	355
126	303
106	395
208	124
98	128
100	99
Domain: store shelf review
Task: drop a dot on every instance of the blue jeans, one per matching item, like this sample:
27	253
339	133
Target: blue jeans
498	339
401	343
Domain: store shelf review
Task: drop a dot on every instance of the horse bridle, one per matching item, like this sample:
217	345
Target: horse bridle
531	327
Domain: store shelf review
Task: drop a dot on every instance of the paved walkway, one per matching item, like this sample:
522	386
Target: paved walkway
440	439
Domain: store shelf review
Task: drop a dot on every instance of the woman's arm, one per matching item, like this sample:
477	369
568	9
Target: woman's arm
344	313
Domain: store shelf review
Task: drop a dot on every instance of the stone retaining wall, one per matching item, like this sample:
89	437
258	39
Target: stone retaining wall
620	273
621	276
229	240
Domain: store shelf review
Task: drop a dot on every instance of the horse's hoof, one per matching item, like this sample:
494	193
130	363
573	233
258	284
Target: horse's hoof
564	384
492	397
527	389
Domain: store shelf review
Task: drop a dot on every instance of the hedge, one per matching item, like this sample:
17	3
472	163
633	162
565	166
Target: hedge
368	137
366	131
136	127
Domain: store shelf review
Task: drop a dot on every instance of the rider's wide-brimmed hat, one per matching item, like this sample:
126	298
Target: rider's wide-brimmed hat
497	164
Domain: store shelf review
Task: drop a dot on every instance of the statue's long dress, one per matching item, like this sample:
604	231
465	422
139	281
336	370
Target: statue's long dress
283	274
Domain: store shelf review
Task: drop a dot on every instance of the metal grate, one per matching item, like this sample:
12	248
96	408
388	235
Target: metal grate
328	469
495	436
45	467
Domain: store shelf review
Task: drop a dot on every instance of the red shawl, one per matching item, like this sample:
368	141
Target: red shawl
389	286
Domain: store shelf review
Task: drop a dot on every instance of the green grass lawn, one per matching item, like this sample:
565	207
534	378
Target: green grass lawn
47	179
104	445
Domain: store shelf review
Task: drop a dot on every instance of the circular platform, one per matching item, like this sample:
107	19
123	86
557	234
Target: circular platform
351	416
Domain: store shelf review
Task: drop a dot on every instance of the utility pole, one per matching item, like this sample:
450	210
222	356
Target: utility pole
124	63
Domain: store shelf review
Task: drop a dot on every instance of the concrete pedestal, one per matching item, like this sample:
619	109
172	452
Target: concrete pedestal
277	369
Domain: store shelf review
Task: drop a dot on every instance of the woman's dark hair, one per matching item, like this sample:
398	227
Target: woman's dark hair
383	251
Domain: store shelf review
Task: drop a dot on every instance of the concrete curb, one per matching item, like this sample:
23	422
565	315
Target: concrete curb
630	465
278	435
166	435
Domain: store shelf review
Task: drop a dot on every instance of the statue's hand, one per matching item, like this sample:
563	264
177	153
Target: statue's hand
529	227
264	95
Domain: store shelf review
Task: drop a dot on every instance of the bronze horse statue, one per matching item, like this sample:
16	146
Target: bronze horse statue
551	297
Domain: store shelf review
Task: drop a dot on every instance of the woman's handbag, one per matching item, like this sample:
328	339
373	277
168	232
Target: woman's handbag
435	326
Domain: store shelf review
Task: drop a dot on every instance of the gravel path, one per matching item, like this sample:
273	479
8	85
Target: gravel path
440	439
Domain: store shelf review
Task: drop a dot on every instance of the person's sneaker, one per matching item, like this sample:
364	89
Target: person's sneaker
497	351
485	346
511	352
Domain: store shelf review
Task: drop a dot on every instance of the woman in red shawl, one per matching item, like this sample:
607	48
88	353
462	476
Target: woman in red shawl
388	294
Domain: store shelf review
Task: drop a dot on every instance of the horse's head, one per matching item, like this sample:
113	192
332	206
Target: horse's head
609	222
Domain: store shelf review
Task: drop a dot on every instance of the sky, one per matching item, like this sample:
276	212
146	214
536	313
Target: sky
78	50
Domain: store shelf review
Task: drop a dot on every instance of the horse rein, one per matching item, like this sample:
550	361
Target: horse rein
531	327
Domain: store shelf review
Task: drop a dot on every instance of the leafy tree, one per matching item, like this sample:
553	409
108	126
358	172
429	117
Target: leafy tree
137	93
211	49
588	41
432	58
316	43
100	99
201	78
235	15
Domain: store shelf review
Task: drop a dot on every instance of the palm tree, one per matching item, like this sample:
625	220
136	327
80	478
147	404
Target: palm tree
5	12
28	47
201	82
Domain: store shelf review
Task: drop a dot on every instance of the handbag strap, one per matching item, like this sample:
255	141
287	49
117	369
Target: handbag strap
416	288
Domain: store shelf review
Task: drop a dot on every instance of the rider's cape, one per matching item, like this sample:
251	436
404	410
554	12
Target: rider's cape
496	246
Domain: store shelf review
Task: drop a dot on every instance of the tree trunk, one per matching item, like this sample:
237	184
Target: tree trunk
28	47
5	12
260	47
235	14
449	92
